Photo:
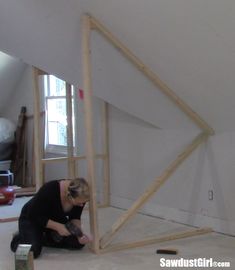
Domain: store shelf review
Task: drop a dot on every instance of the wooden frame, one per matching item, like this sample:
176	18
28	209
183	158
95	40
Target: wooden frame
89	23
39	160
101	244
37	132
159	181
150	241
201	123
71	159
105	117
86	67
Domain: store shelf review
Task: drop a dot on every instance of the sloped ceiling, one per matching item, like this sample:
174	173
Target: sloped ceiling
11	70
188	43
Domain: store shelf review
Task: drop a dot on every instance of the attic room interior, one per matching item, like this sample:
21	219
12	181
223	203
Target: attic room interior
137	98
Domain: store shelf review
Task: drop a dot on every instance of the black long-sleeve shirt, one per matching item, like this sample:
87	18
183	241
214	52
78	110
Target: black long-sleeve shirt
46	204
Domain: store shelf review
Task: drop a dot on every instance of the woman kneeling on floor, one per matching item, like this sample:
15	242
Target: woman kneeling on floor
52	217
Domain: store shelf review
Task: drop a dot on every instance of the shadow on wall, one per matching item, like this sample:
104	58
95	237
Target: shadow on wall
217	187
197	183
206	167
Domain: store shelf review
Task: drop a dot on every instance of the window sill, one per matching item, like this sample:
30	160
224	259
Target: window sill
56	149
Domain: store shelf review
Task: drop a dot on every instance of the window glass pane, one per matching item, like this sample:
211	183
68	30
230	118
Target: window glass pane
57	121
57	87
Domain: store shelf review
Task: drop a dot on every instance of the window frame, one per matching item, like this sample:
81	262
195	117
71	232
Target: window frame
48	147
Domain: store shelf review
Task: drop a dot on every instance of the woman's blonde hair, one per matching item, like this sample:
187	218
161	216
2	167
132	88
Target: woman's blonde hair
79	187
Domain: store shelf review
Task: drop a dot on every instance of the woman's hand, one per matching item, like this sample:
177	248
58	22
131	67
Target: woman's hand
84	239
58	227
61	229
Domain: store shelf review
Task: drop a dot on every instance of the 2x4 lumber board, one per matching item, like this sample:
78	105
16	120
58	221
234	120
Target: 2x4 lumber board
31	116
150	241
37	132
52	160
106	239
59	159
56	97
151	76
27	191
11	219
69	111
105	128
86	68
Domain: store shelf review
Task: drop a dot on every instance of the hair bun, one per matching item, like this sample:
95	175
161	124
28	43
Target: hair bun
78	187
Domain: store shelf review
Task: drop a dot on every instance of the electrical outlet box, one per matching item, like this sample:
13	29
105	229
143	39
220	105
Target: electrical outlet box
210	195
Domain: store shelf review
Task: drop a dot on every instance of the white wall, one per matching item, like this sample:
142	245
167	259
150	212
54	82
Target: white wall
22	95
139	153
120	83
11	70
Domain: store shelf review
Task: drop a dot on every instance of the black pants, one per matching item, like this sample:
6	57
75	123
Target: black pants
29	233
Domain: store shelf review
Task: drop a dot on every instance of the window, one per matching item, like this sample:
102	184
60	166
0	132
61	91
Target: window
56	114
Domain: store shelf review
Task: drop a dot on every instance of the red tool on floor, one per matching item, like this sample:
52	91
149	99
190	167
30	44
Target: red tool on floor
7	193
